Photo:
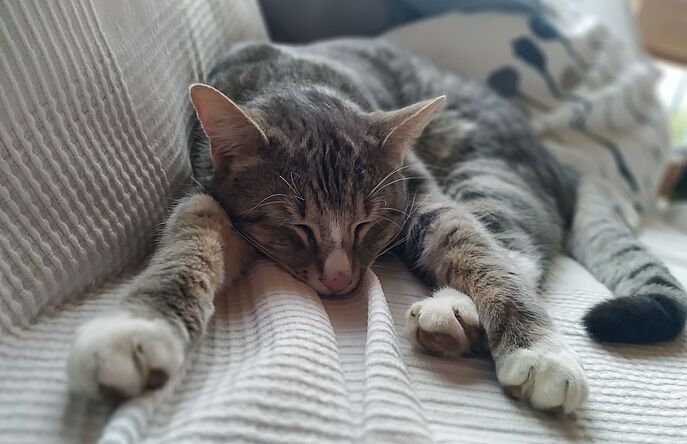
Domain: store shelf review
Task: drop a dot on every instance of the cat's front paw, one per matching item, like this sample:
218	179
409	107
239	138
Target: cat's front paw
121	356
447	323
547	375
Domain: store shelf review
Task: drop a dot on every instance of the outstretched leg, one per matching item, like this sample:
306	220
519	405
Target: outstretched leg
165	309
451	246
651	305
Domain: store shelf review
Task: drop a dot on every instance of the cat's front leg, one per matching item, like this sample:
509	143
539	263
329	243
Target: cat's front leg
164	310
533	363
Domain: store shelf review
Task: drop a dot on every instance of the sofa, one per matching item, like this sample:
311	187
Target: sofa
94	129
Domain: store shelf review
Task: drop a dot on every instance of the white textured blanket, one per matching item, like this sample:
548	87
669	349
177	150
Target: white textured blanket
93	134
279	365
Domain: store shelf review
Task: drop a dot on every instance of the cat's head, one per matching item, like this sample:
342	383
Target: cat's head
310	180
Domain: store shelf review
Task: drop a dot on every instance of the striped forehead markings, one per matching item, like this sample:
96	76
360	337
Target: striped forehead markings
335	232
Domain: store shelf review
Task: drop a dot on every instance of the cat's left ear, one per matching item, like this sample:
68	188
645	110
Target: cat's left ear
234	136
403	126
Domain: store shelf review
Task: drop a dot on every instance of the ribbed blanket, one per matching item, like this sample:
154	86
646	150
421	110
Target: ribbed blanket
280	365
94	121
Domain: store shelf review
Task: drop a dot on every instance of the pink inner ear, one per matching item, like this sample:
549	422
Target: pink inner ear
230	130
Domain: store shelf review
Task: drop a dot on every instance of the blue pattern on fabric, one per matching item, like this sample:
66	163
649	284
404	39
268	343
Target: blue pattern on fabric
505	81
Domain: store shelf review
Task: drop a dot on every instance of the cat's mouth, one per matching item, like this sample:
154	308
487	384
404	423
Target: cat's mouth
349	290
311	277
341	294
323	291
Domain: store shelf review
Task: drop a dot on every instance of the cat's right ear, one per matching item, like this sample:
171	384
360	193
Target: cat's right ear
235	138
403	126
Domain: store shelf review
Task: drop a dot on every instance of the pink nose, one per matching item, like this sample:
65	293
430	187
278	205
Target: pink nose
337	271
338	283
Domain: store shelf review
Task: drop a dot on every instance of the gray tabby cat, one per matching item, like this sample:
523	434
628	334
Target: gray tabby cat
324	157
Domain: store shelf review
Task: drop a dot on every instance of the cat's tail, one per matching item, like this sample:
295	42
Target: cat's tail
650	304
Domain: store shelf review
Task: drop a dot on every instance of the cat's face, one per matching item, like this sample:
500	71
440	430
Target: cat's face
315	185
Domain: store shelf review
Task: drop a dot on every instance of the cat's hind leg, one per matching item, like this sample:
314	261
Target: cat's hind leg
164	310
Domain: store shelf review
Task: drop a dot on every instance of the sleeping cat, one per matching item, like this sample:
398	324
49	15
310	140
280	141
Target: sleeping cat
324	157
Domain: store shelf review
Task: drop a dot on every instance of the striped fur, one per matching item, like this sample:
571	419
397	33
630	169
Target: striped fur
164	309
650	305
329	147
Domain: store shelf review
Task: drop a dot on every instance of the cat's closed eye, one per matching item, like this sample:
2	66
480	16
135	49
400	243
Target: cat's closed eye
360	230
306	233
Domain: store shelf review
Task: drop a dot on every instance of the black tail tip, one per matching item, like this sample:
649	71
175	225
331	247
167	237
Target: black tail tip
636	319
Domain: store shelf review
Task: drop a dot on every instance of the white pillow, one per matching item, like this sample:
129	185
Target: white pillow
589	95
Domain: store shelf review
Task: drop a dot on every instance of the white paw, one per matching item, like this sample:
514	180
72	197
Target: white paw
547	375
446	323
122	356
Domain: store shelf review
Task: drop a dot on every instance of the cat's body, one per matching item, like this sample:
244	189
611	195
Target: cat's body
316	170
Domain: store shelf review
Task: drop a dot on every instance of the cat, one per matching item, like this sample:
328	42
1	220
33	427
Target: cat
322	158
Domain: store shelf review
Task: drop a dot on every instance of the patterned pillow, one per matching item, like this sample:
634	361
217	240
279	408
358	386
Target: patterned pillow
587	93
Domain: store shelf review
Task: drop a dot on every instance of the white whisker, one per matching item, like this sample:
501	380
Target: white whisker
293	182
395	241
282	202
257	245
293	188
198	183
381	182
268	197
395	209
390	221
391	247
402	179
